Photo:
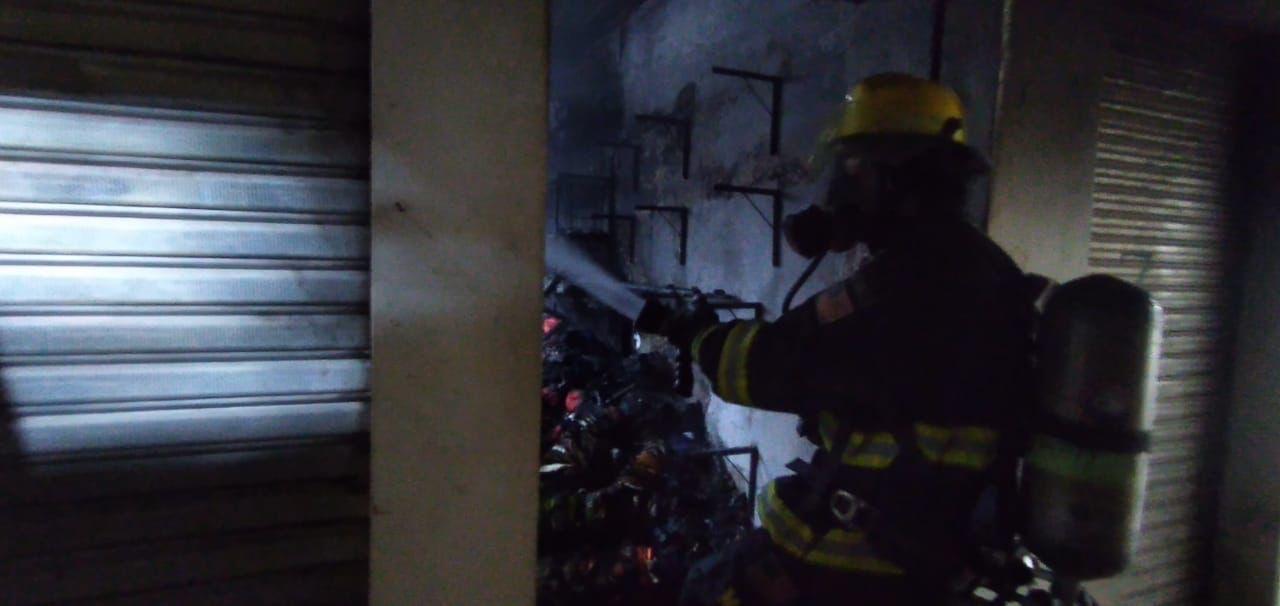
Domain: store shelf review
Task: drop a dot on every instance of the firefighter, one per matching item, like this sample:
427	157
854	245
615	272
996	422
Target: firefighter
905	375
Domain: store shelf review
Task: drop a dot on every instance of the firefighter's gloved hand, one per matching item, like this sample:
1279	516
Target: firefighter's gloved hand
679	325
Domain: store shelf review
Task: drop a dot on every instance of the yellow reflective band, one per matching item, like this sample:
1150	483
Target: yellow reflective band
733	380
827	426
965	433
728	354
773	508
973	447
742	378
875	451
840	549
967	446
867	564
697	342
966	459
1059	457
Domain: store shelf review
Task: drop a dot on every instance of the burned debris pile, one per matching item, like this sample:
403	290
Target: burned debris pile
630	498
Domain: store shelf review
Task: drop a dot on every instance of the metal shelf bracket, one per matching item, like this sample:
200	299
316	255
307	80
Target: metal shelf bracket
775	224
628	147
615	218
775	107
754	464
682	215
565	180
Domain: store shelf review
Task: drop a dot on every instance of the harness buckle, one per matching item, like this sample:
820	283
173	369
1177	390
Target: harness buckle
847	508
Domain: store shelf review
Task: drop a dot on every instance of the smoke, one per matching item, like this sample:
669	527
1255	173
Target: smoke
569	262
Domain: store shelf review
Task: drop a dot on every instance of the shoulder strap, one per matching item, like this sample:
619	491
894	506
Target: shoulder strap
826	470
822	475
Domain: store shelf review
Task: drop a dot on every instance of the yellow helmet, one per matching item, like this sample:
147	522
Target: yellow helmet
895	116
901	104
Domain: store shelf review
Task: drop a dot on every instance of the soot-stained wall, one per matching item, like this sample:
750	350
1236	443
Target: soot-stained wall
656	57
585	108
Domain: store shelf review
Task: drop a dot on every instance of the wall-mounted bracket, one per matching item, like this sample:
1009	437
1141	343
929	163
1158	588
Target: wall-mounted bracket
565	180
682	215
615	218
716	299
634	150
756	308
775	107
684	130
740	450
774	224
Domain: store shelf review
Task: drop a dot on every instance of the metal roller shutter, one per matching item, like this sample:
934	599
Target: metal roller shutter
184	247
1161	219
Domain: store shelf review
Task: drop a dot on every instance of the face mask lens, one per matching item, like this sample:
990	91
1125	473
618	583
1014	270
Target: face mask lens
840	193
854	185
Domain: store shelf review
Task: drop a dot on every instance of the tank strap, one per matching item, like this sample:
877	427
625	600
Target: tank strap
1095	437
839	548
825	472
822	475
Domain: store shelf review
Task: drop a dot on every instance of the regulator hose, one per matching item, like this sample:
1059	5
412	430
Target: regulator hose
804	277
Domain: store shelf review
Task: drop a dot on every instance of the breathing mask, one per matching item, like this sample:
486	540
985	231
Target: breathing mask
856	191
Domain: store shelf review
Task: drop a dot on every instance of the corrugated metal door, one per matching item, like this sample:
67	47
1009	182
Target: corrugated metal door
183	301
1161	219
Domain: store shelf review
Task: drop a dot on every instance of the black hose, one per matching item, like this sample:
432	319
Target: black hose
804	277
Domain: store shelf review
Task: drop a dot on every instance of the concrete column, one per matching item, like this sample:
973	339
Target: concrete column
1247	551
459	175
1044	151
1045	134
1246	563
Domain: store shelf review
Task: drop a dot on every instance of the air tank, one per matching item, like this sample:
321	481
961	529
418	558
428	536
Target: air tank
1097	349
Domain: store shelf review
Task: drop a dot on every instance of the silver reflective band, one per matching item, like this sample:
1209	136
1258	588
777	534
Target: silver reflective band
847	507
